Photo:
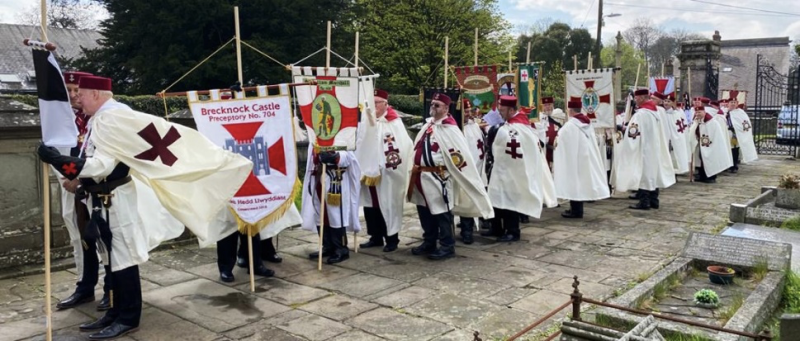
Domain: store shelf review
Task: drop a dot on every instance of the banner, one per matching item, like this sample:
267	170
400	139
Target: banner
664	85
331	108
260	129
455	103
57	117
480	85
740	95
595	89
507	84
528	93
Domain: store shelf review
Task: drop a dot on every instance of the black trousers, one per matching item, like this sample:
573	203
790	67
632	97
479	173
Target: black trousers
334	240
735	153
91	263
376	227
226	250
467	224
267	248
576	207
436	227
126	297
506	222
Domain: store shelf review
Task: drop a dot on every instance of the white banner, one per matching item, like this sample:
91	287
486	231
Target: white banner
260	129
595	89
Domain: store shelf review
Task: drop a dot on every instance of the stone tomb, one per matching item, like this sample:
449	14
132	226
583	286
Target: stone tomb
761	210
702	250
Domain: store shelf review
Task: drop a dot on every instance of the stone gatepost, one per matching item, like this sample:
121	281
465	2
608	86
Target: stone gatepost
693	56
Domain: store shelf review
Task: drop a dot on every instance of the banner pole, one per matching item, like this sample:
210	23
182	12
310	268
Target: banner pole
528	54
355	234
46	227
323	175
446	59
476	47
241	84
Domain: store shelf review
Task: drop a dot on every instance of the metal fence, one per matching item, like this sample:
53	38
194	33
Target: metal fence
775	115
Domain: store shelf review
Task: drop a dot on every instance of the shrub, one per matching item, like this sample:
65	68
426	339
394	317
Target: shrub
706	296
789	181
152	105
792	223
409	104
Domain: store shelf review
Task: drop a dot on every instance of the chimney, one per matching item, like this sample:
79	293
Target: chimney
717	37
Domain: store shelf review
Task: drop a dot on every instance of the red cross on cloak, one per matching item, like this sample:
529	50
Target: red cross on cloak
397	160
349	116
681	125
513	145
481	148
69	168
159	146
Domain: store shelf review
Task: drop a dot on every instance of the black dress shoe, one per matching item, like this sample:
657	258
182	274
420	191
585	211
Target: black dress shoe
709	181
640	206
424	249
112	332
262	271
226	276
315	254
467	238
338	258
103	322
524	219
569	215
442	253
371	243
75	300
242	262
654	205
104	304
508	238
389	247
273	258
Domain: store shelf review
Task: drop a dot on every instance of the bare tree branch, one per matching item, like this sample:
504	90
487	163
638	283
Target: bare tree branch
72	14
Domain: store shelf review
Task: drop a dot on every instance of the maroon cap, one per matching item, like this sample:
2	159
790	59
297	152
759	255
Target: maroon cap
574	105
740	106
714	103
382	94
641	92
732	99
95	83
723	101
659	95
546	100
441	98
671	97
705	100
698	99
73	77
508	101
699	108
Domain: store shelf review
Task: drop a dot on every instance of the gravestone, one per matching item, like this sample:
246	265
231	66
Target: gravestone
737	251
770	213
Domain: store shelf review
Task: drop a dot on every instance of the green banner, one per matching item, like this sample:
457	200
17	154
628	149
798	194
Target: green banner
528	85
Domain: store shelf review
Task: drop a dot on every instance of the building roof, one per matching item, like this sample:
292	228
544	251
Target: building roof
15	58
739	59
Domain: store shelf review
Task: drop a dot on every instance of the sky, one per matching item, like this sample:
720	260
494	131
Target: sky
701	16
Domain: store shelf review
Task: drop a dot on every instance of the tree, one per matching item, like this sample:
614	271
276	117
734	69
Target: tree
557	44
404	40
631	59
667	46
642	35
148	44
72	14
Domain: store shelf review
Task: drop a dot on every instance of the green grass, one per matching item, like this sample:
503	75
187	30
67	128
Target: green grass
792	223
731	309
761	268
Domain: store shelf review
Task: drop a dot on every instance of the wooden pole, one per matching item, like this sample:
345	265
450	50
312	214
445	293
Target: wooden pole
574	63
46	196
241	83
323	175
662	69
476	47
636	84
689	85
446	59
528	54
589	64
355	234
509	61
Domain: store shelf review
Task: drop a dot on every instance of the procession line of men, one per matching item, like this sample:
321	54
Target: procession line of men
500	173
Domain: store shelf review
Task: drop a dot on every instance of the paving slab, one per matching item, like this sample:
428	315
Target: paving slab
461	285
504	323
284	292
405	297
361	285
314	327
454	310
338	307
34	326
316	278
393	325
212	305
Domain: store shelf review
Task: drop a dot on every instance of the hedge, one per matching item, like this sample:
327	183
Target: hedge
146	104
409	104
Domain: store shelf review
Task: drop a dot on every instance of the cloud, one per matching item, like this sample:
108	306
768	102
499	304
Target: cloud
703	18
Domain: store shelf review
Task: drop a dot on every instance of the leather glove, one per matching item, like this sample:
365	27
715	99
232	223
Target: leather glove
68	166
329	158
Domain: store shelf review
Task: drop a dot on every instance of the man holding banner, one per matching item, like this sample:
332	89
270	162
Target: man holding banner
444	181
385	159
548	126
191	177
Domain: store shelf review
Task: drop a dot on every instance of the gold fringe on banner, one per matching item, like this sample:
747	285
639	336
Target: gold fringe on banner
370	180
334	199
252	229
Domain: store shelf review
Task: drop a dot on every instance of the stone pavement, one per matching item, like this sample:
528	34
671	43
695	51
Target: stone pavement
493	288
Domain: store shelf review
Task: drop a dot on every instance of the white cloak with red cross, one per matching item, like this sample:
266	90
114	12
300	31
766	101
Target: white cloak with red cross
474	136
707	141
675	129
744	135
385	157
520	181
641	157
722	120
461	185
578	165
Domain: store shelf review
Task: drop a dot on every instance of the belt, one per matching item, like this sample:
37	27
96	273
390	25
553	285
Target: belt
416	171
106	187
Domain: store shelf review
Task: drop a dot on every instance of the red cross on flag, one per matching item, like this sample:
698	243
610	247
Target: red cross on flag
664	85
595	90
331	108
260	129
